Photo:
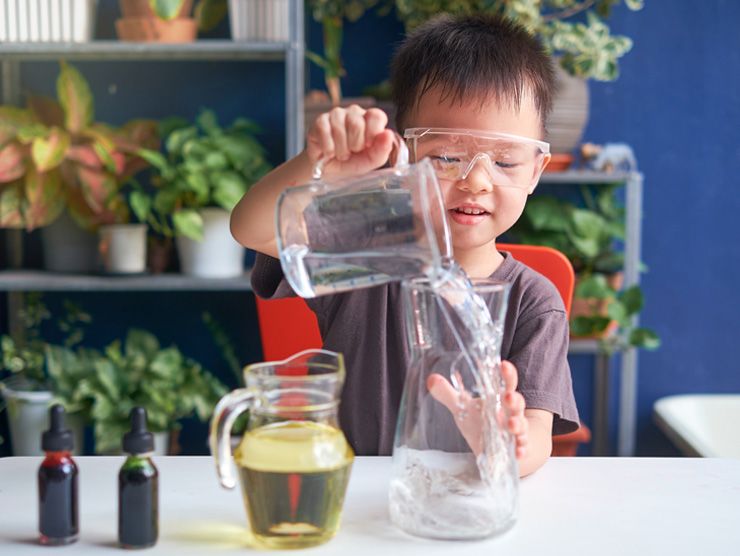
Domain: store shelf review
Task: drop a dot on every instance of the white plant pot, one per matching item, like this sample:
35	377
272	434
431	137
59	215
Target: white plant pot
218	255
47	20
69	248
569	116
122	248
259	20
28	418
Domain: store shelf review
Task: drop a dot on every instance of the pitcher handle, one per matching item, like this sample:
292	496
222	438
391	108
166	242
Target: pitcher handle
227	410
402	157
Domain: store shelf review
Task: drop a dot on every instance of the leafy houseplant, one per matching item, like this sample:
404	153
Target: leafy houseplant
586	233
137	372
54	156
332	14
585	49
167	20
26	386
204	165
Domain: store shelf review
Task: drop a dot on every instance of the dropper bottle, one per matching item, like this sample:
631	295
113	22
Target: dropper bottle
57	478
138	487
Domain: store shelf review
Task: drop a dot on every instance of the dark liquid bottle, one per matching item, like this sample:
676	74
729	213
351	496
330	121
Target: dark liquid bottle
57	478
138	487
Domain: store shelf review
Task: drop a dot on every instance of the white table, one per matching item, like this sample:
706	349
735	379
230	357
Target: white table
571	506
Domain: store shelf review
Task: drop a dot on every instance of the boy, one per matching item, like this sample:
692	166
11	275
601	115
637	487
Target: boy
487	77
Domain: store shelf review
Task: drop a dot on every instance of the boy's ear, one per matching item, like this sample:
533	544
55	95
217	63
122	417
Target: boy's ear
538	171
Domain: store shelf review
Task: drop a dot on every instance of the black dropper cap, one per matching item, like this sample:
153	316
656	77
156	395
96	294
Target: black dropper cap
138	440
58	438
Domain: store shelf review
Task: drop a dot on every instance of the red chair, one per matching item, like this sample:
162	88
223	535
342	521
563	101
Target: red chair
288	326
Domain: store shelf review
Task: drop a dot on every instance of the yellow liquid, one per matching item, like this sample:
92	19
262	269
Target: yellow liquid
294	475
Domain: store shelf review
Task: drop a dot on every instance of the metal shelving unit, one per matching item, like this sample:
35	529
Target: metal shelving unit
632	182
292	53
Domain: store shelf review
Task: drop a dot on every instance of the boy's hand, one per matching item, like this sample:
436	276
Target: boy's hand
471	426
355	139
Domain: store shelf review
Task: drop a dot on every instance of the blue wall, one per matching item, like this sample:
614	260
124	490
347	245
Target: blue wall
676	103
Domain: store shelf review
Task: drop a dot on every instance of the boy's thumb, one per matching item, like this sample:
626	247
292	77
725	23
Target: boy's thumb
381	148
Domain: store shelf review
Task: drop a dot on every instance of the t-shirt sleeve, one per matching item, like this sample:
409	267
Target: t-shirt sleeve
539	350
268	282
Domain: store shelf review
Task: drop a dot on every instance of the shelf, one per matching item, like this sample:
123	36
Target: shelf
37	280
121	50
586	176
584	346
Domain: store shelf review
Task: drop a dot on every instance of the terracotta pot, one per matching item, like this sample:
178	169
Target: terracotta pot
569	116
141	8
590	307
142	29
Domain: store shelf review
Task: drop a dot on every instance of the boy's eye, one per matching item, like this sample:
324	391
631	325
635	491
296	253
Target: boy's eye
506	164
444	159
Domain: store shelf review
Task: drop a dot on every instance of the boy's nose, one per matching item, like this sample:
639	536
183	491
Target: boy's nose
478	179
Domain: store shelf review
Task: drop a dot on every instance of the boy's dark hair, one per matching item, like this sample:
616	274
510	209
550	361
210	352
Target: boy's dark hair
480	56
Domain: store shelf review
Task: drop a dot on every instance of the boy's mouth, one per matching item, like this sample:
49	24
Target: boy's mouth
468	214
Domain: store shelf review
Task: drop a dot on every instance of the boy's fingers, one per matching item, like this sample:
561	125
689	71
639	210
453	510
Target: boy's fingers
510	375
442	391
320	139
375	122
338	120
355	129
380	150
514	402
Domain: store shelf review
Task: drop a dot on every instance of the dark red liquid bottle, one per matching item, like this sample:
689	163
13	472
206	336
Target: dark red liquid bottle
58	507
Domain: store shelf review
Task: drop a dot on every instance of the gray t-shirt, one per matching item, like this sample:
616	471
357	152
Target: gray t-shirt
367	326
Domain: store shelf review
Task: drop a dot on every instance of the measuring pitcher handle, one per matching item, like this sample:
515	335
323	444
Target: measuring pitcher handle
227	410
402	157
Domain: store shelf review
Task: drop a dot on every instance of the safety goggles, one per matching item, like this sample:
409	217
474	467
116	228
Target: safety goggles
509	160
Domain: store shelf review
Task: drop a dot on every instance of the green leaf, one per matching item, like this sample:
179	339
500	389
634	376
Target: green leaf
644	338
632	299
595	287
156	159
208	13
229	188
176	141
141	342
48	152
167	363
189	223
547	213
167	9
76	99
208	122
586	326
197	183
616	311
141	204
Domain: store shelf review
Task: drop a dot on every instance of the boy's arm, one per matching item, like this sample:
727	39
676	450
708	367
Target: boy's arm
253	218
356	140
539	442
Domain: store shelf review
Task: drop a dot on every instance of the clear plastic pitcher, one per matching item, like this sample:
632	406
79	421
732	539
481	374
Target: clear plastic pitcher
455	474
382	226
293	461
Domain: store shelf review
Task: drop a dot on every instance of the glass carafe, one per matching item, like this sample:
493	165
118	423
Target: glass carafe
362	231
455	474
293	461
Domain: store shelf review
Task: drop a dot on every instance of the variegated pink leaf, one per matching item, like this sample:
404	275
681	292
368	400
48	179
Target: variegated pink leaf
49	152
76	99
12	163
45	198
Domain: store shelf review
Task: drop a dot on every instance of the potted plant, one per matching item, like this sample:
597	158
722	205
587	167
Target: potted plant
587	233
136	372
167	21
332	15
204	172
57	165
572	30
26	387
69	22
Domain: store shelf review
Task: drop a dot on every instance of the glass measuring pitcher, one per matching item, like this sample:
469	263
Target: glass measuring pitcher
294	461
362	231
455	474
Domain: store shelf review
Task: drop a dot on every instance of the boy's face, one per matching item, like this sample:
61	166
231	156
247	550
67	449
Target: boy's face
495	209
